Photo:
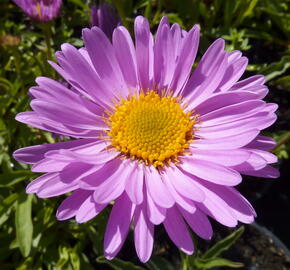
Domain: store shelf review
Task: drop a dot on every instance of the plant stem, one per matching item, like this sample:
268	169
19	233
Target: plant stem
286	139
47	36
16	61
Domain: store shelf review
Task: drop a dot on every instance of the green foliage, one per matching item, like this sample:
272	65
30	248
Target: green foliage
211	258
118	264
31	237
223	245
23	223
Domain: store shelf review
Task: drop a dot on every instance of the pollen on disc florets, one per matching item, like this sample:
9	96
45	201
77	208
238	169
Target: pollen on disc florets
151	127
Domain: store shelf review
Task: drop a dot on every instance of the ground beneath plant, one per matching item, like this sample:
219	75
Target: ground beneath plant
258	251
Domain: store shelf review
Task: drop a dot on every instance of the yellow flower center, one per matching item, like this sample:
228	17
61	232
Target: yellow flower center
151	128
38	10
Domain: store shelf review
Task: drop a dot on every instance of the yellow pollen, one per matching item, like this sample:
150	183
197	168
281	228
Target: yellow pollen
151	128
38	10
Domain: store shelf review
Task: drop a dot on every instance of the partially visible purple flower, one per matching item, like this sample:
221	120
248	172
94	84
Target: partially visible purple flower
105	17
40	10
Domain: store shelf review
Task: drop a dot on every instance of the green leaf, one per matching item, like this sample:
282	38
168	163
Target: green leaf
216	262
5	206
223	245
148	10
2	125
159	263
63	257
248	11
283	83
11	178
79	3
27	264
74	259
7	203
277	68
118	264
23	223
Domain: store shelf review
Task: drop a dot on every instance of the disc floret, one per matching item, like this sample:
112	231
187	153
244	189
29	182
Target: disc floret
151	127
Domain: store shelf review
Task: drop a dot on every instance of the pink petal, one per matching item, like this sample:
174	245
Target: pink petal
88	210
155	213
269	157
143	234
232	112
214	205
258	121
199	223
33	154
157	189
233	73
134	185
177	231
70	206
249	83
34	186
240	207
54	187
144	52
164	59
262	142
208	74
185	60
49	165
175	32
222	99
184	185
118	226
104	60
225	143
113	186
82	76
266	172
34	120
69	115
100	175
183	202
212	172
126	55
222	157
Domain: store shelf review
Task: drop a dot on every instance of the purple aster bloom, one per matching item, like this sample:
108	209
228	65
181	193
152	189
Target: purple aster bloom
105	17
165	144
40	10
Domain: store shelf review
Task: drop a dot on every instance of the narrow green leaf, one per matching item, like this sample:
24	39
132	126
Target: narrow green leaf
223	245
216	262
277	68
27	264
79	3
148	10
23	223
7	203
63	257
159	263
248	10
13	177
74	259
2	125
118	264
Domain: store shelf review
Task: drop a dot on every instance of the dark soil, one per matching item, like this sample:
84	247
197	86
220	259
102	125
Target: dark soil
259	250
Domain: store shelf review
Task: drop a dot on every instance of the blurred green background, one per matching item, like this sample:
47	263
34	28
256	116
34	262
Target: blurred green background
30	235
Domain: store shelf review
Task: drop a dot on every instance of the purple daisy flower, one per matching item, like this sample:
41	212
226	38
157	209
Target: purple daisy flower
165	144
105	17
40	10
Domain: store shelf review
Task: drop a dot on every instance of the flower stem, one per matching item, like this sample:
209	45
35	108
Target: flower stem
283	141
47	37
